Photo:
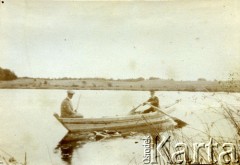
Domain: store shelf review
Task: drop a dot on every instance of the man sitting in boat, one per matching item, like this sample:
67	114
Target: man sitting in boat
153	102
67	110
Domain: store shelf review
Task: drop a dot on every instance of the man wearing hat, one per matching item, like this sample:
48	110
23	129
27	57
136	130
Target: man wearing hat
67	110
153	101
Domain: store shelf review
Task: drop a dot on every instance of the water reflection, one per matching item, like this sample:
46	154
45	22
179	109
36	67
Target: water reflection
68	144
72	141
67	151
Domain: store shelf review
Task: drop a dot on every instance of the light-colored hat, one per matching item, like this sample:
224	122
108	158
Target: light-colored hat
70	92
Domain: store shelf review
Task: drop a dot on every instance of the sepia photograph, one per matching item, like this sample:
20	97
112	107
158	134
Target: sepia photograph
119	82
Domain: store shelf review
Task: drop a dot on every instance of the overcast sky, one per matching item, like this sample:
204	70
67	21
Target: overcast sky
183	40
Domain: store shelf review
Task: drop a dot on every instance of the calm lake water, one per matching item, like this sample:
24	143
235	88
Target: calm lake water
27	123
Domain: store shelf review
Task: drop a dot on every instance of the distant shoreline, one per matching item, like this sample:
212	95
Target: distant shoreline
134	85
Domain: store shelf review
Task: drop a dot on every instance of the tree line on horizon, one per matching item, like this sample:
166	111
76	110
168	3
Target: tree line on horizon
108	79
7	74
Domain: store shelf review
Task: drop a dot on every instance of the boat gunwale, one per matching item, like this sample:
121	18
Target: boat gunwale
111	119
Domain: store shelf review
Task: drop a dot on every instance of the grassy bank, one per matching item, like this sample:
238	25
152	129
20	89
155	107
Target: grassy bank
102	84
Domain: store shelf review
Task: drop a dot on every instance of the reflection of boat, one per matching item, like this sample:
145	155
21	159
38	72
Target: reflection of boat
67	145
155	121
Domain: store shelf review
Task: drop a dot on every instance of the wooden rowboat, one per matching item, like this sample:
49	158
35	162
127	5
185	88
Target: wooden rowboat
155	121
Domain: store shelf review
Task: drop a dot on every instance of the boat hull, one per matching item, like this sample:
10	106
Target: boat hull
137	123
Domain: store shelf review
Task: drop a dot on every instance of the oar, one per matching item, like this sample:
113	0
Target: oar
178	121
177	101
134	109
160	110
